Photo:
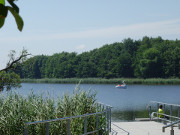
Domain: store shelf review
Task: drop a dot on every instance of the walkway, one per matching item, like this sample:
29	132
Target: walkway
141	128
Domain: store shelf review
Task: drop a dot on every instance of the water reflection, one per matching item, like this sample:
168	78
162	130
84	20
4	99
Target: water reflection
128	115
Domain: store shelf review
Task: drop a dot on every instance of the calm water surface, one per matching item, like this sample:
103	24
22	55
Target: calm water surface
127	103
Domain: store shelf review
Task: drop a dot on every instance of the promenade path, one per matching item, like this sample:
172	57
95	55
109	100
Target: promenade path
141	128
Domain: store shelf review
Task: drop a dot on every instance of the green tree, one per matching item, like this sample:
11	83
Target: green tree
146	58
8	78
61	65
149	64
86	65
33	68
13	8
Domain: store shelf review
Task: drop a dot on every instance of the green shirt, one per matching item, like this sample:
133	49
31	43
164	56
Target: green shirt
160	113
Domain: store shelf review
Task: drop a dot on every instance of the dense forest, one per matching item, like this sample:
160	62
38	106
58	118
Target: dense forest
146	58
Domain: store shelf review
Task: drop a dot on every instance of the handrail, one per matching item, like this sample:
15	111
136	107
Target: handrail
113	132
64	118
106	112
122	129
170	125
172	118
104	104
152	115
164	103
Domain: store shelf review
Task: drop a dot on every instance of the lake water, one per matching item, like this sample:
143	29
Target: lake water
127	103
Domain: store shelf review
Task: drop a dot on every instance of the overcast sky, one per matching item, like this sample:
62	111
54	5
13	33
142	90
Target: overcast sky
83	25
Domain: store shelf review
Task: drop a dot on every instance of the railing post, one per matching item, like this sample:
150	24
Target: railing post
164	109
97	106
107	119
68	127
164	112
172	131
85	125
47	128
105	126
171	113
110	119
97	123
26	130
150	113
179	116
158	111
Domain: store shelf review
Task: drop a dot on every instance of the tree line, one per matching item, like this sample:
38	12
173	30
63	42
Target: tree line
145	58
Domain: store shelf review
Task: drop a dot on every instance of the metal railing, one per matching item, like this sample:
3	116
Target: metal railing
171	107
106	128
173	119
172	127
121	129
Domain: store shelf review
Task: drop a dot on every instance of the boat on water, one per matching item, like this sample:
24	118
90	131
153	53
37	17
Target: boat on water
122	86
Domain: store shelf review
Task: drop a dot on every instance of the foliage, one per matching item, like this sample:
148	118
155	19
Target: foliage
148	81
16	110
146	58
13	8
8	78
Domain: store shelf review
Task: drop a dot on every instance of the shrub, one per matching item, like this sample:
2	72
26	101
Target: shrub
16	110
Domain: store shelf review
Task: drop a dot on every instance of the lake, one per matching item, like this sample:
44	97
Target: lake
127	103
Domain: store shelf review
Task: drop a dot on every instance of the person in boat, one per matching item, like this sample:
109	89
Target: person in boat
161	113
123	83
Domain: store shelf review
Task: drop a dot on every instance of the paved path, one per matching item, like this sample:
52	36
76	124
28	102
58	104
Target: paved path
141	128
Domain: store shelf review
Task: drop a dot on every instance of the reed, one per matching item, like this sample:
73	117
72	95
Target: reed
149	81
15	110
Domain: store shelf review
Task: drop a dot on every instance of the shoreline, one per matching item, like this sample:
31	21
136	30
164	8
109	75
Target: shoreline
150	81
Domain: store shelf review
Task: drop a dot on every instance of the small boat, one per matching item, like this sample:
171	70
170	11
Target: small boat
122	86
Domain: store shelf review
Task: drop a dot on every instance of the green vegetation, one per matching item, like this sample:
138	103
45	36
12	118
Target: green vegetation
157	81
15	110
8	78
146	58
13	8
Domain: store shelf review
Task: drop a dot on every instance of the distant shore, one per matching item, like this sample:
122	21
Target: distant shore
150	81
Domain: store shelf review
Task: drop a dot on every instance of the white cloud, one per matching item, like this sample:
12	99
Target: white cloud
171	27
80	47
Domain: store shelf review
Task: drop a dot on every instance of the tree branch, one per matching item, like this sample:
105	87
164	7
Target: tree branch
14	62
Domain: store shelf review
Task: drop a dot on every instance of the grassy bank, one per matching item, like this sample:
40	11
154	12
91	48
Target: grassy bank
15	110
157	81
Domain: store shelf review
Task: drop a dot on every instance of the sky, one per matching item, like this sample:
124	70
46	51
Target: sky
54	26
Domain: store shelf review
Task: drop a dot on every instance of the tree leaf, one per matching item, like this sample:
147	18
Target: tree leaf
3	14
2	22
2	2
3	11
15	7
19	20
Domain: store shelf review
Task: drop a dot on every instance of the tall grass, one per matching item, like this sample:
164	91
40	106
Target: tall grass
156	81
16	110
